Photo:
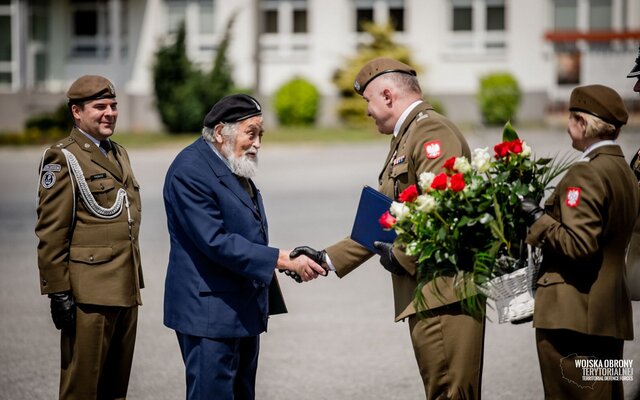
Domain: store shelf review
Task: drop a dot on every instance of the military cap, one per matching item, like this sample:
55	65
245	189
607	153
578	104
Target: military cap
375	68
601	101
90	87
232	108
635	71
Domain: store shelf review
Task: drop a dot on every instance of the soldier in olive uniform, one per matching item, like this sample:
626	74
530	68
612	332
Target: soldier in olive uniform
88	223
583	311
448	343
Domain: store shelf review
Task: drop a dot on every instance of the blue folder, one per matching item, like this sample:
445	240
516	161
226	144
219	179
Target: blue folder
366	228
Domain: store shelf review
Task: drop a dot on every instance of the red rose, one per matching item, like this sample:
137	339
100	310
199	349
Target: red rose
387	220
515	146
501	149
449	164
439	182
457	182
409	194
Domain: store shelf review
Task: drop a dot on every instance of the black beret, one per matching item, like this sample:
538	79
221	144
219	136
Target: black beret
232	108
377	67
601	101
90	87
635	71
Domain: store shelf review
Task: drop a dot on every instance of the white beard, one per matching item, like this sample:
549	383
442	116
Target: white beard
242	166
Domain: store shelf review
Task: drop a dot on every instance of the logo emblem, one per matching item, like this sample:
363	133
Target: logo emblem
48	179
433	149
573	196
356	85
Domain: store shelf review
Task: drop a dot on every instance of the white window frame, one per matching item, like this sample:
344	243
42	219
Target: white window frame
479	41
285	45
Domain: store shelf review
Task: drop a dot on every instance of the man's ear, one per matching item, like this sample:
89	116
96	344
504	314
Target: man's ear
75	111
217	133
387	96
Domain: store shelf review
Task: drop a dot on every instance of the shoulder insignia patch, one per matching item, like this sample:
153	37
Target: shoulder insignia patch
433	149
573	196
48	179
52	168
422	116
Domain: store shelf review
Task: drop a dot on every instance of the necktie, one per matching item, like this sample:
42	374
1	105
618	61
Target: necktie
106	146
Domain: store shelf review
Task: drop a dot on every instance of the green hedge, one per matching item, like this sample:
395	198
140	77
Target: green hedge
296	102
498	98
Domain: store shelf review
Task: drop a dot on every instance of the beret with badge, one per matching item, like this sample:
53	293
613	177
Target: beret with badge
600	101
90	87
232	108
375	68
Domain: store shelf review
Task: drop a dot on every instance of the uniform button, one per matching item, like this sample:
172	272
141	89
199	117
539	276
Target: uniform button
545	280
90	258
101	186
44	282
126	186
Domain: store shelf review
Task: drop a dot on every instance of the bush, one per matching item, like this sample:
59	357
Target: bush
296	102
498	98
59	119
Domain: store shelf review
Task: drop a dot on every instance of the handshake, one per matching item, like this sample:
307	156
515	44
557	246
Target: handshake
303	263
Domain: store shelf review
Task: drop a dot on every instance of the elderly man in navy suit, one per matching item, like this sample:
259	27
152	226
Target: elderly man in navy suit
220	285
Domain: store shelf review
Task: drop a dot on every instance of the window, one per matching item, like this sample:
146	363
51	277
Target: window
300	21
285	24
379	12
90	28
462	16
477	27
396	16
363	17
600	15
270	21
565	15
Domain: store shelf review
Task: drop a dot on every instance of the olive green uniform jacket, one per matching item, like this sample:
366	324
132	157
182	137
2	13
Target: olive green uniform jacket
97	258
584	233
425	141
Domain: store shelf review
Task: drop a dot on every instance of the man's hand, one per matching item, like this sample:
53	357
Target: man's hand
63	311
388	260
531	210
303	267
320	257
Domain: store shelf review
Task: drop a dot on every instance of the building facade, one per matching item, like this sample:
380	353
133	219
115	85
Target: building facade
550	46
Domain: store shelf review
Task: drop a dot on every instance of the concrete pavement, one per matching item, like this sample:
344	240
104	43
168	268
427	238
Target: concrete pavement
338	340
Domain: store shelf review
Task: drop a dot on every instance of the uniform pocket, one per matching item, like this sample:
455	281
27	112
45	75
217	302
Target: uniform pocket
91	255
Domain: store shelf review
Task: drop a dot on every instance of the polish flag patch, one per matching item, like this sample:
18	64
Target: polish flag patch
573	196
433	149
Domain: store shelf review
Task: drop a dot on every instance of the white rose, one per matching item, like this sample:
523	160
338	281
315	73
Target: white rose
526	150
426	203
462	165
481	159
399	210
425	180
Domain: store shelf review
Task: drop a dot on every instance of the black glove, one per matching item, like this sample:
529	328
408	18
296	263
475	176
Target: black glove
318	256
294	275
63	311
531	210
388	260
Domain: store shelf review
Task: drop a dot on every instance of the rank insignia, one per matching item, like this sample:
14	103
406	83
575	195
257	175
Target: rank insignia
433	149
399	160
573	196
48	179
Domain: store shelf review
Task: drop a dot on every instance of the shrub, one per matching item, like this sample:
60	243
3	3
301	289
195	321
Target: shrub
296	102
59	119
498	98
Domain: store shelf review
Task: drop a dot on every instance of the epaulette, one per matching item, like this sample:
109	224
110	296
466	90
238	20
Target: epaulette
64	143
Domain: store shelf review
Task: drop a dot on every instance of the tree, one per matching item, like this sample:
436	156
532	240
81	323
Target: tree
351	108
184	93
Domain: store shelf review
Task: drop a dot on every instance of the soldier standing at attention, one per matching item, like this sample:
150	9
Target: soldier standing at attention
88	255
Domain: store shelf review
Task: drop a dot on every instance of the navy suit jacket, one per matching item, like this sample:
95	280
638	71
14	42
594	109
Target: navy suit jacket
220	265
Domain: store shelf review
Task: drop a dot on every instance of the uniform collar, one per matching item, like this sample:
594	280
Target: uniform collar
94	140
403	117
597	145
217	153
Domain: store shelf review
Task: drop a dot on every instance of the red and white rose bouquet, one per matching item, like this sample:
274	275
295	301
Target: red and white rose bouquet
466	219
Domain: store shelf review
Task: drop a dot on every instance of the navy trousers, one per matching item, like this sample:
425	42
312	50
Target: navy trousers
221	369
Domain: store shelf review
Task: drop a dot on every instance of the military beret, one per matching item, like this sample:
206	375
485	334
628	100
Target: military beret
232	108
635	71
377	67
601	101
90	87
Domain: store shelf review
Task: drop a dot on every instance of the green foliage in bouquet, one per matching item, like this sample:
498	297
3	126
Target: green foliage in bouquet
465	222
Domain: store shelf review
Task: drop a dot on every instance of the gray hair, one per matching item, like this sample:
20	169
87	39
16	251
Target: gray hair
404	82
597	128
229	131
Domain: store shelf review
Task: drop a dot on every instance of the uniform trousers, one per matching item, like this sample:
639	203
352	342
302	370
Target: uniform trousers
221	369
558	350
96	359
448	345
